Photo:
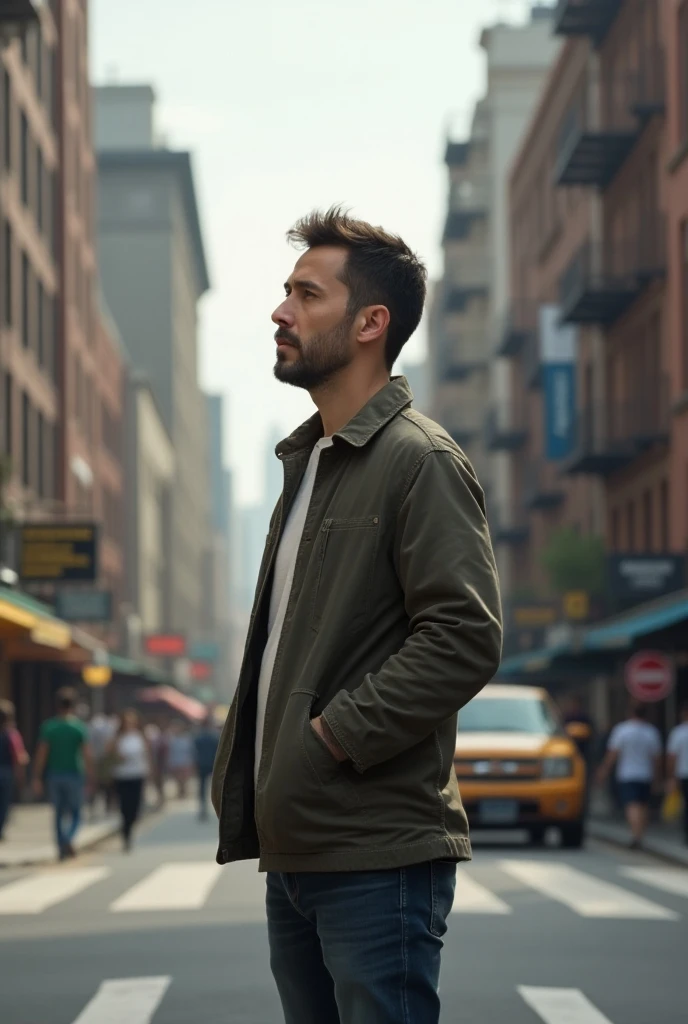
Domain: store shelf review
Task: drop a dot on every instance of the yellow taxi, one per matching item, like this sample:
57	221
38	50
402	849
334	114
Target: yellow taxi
516	766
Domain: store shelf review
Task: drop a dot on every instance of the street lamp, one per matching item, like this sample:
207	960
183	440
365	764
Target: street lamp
15	17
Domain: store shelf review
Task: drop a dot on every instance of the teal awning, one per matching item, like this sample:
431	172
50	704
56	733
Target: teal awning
641	622
538	660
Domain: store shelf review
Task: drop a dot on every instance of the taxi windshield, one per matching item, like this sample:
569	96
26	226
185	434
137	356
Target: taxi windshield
490	714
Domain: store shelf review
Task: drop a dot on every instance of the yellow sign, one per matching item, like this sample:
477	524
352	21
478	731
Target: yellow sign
59	552
577	605
534	616
96	675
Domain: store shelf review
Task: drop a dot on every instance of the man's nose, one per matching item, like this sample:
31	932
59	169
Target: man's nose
283	316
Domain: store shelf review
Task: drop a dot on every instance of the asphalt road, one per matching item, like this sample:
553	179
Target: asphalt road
162	936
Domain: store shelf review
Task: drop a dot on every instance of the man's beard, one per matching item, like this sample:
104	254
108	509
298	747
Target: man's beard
325	355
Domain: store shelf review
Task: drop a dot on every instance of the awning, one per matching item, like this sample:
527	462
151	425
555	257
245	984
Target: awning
624	631
20	613
538	660
179	702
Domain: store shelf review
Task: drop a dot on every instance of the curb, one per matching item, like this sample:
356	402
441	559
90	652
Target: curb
617	836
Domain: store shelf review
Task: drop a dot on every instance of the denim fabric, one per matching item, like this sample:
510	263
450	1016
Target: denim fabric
6	791
360	947
66	792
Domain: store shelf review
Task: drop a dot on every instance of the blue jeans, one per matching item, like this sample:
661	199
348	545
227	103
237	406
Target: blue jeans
66	792
360	947
6	792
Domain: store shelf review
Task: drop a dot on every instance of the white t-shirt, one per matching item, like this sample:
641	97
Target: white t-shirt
283	577
132	757
678	746
637	744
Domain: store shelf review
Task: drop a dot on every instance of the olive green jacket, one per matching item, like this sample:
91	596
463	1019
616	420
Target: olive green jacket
393	624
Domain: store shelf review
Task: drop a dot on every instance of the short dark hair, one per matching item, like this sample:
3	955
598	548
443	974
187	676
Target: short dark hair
66	698
380	268
640	710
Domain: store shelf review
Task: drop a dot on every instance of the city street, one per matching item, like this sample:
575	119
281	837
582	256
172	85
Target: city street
163	935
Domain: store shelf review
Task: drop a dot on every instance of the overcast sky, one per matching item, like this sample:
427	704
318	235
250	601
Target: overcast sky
287	106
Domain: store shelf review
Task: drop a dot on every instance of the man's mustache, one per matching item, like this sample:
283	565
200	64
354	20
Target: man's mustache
284	335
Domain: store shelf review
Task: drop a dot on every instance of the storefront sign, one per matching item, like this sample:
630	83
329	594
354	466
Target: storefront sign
204	650
96	675
58	552
87	605
637	578
165	645
201	671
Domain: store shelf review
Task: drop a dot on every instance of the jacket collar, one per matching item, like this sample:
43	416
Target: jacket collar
376	414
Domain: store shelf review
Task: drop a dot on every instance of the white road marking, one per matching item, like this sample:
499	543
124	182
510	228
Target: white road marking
586	895
183	886
133	1000
562	1005
36	893
673	880
473	898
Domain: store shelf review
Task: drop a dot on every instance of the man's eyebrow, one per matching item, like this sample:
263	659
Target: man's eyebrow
303	283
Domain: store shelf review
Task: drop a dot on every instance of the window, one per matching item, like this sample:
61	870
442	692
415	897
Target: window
40	309
647	522
683	72
9	278
24	160
664	515
630	527
39	189
26	440
7	119
616	530
8	394
26	336
684	275
41	456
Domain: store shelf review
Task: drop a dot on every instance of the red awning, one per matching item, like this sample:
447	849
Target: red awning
189	707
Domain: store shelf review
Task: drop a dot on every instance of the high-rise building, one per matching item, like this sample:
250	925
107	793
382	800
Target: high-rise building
154	273
465	371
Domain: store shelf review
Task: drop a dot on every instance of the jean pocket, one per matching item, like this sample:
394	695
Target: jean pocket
442	889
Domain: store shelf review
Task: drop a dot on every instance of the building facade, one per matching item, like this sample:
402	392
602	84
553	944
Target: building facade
465	373
154	273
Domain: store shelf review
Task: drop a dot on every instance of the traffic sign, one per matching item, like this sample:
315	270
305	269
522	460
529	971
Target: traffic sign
649	676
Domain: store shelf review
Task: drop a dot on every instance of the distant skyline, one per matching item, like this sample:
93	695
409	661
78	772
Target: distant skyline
288	107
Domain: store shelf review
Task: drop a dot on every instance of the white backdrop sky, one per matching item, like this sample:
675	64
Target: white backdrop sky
288	106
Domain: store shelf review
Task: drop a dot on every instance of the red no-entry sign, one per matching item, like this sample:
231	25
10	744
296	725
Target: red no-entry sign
649	676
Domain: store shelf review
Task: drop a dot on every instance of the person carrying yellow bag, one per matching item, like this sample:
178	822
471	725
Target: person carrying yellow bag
677	771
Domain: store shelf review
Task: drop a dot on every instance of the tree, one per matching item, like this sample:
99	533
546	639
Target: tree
575	561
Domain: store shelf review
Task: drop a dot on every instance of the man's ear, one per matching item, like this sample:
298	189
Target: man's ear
374	321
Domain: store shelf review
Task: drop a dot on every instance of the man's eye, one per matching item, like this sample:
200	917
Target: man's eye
309	295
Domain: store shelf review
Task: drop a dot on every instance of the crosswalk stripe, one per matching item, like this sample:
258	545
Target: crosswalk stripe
562	1005
473	898
673	880
36	893
133	1000
183	886
587	896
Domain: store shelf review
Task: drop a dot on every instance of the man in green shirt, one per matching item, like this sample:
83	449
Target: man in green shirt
64	758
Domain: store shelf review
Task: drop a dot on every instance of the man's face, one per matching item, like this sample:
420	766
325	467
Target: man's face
314	330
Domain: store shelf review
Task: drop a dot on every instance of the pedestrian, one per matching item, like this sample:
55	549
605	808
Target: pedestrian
579	727
131	766
13	762
180	757
634	753
101	731
377	617
677	762
64	757
157	739
205	746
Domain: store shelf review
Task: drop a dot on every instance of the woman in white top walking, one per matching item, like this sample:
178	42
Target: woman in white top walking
131	769
634	751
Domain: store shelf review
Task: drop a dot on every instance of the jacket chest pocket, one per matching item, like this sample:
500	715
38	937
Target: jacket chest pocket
346	551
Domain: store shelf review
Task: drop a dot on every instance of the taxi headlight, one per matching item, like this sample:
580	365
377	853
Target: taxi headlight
557	767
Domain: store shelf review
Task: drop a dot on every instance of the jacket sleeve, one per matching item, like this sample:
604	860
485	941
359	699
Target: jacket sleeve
447	571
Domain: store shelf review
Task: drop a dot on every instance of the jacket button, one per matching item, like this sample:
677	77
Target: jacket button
376	520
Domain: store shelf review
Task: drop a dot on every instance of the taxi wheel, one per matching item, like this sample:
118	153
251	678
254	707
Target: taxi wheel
573	836
537	835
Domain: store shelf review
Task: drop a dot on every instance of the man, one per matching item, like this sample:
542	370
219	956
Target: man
64	757
634	752
377	617
677	762
13	761
205	749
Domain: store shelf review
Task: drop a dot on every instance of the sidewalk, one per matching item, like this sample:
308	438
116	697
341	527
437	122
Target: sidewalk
29	835
663	840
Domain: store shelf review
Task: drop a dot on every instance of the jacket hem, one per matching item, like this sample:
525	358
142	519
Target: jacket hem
242	849
371	859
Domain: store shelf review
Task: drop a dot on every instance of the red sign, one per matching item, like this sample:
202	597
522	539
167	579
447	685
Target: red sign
649	676
201	671
165	645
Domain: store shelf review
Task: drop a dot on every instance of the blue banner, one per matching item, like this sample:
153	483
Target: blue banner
560	409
